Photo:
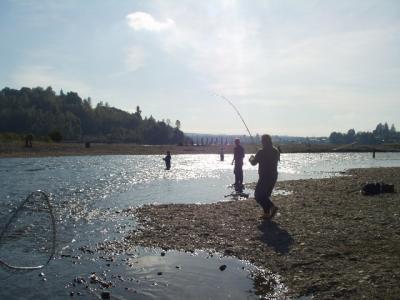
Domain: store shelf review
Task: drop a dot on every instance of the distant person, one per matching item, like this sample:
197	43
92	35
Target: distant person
238	155
221	154
28	141
267	159
167	160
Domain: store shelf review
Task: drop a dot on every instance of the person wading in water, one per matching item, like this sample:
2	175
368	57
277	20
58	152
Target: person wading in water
167	161
238	155
267	159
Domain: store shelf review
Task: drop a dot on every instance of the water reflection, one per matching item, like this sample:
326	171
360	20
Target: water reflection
91	192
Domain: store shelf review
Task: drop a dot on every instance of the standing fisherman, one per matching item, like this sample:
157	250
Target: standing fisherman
167	161
238	155
267	159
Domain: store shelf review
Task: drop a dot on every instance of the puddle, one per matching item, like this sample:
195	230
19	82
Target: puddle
155	274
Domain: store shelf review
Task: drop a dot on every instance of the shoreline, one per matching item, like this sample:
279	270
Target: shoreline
42	149
328	240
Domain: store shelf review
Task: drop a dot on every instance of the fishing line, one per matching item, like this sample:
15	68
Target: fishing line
240	116
28	240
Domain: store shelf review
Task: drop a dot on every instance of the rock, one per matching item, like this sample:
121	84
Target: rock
94	279
375	188
229	252
159	273
222	267
105	295
162	253
79	280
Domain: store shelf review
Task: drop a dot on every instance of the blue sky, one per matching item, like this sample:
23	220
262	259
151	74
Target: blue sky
291	67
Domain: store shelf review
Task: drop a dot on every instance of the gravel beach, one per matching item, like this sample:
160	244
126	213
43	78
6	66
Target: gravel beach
327	241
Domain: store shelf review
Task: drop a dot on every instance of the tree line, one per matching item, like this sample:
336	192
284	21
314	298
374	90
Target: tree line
381	134
41	112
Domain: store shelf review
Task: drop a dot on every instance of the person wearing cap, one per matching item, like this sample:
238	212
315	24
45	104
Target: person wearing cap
267	159
238	155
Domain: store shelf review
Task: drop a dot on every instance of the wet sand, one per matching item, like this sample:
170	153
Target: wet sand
328	240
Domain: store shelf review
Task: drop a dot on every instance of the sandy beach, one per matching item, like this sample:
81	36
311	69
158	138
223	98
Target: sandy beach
328	241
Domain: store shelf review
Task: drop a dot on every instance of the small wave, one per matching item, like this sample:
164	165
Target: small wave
35	169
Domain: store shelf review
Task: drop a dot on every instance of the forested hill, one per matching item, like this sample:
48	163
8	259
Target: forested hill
41	112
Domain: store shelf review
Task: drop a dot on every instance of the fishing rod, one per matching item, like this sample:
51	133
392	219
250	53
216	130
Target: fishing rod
240	116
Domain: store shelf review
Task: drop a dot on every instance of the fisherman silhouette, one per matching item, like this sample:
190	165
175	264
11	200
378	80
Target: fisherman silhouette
267	159
167	160
28	141
238	155
221	154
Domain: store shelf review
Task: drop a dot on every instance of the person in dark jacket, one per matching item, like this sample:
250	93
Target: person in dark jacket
238	155
167	161
267	159
221	154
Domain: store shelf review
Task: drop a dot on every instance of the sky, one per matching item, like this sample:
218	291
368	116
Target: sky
291	67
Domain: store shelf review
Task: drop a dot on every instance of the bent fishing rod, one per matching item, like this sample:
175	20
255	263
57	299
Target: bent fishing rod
240	116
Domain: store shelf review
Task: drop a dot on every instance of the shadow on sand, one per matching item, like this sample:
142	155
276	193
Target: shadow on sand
274	236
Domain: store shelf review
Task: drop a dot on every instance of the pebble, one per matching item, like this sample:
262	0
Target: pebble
79	280
222	267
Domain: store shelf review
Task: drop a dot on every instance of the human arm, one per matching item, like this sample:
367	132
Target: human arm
253	159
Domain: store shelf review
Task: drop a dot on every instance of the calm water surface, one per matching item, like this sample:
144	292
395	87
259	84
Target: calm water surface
89	194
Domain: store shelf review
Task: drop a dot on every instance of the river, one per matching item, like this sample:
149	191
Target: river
89	195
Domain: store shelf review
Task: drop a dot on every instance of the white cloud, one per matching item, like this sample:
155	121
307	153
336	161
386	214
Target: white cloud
145	21
295	60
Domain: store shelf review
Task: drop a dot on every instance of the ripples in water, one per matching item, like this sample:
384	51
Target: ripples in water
89	194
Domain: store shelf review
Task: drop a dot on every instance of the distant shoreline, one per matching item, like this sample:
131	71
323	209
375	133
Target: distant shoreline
42	149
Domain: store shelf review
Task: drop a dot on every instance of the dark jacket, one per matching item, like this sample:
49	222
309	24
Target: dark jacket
238	154
267	160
